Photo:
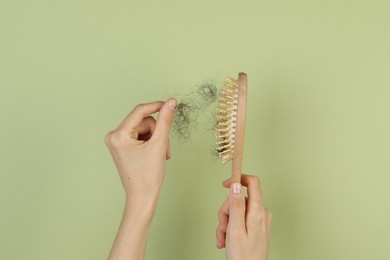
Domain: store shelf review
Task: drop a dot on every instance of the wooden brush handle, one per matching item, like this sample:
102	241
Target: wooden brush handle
240	127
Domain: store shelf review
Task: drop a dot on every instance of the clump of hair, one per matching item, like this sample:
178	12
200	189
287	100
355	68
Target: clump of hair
183	122
208	93
189	106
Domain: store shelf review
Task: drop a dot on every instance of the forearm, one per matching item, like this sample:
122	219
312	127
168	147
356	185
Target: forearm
139	147
130	242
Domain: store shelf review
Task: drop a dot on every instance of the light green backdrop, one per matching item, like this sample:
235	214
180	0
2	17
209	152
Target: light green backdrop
317	134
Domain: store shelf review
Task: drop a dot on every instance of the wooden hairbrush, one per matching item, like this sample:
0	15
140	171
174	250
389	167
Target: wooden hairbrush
230	125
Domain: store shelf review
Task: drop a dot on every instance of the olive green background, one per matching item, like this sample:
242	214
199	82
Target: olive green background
318	122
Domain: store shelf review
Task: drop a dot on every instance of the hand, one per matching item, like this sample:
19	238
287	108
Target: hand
140	148
244	224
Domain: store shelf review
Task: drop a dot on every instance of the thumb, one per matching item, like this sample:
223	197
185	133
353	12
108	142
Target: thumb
237	208
164	120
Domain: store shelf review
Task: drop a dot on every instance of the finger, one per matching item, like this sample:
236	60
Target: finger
146	128
221	237
269	223
223	218
226	183
164	120
255	198
254	188
256	213
223	215
135	117
236	209
168	153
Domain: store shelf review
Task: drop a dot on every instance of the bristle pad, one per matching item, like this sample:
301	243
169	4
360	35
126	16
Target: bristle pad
226	119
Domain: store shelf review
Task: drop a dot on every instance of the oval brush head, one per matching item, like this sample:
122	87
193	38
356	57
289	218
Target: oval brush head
226	119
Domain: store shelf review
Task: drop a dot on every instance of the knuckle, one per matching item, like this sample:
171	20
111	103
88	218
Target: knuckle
257	207
238	203
220	229
260	214
254	180
220	215
139	106
236	235
113	139
107	138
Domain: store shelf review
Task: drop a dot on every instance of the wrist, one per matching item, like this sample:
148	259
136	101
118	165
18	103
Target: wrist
130	242
141	205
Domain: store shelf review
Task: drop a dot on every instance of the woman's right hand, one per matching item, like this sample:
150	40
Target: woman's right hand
244	224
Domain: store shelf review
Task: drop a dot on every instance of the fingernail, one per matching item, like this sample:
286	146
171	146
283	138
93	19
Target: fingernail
172	104
236	188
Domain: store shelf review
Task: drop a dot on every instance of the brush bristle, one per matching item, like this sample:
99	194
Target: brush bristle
226	119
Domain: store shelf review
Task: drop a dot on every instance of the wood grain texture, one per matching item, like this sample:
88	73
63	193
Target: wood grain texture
240	127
